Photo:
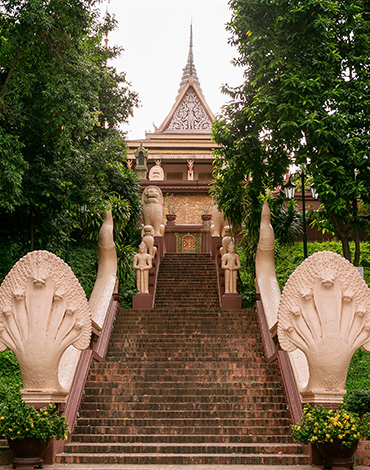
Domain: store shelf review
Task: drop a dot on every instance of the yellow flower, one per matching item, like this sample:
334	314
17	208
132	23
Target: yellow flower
249	33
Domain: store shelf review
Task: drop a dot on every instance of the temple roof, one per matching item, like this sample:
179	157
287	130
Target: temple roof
186	131
190	113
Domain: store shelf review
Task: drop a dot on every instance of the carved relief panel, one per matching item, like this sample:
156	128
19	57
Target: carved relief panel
190	115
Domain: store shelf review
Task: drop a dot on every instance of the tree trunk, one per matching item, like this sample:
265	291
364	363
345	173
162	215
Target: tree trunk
11	70
32	230
342	235
356	235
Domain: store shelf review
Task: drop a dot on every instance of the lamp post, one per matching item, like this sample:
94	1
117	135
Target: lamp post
289	190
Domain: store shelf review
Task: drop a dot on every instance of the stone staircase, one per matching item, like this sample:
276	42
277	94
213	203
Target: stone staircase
185	383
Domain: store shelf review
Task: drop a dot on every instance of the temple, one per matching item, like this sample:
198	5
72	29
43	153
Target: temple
177	156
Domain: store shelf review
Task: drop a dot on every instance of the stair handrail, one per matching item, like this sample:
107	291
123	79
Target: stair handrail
293	369
104	303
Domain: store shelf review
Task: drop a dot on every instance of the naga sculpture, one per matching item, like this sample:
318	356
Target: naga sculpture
43	310
325	312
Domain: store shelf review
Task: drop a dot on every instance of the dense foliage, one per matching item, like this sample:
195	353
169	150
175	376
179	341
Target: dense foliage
61	105
305	100
358	401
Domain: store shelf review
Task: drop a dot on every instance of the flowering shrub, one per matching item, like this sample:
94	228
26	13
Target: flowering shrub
321	425
19	420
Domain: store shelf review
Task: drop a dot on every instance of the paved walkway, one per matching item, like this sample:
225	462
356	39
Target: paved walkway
179	467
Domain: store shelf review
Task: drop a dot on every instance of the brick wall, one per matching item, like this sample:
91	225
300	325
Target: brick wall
190	208
362	456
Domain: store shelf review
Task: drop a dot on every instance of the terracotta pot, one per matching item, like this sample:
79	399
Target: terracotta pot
171	217
28	453
336	455
206	217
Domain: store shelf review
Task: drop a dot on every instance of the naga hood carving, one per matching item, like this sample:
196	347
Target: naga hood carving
43	310
325	312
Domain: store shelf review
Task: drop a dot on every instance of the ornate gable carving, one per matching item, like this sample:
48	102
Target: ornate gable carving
190	115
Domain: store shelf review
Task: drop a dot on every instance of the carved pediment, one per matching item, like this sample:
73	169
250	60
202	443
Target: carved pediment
190	115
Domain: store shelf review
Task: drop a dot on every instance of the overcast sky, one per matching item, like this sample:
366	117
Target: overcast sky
155	35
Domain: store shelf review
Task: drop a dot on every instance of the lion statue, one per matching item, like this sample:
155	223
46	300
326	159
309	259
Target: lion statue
152	204
218	222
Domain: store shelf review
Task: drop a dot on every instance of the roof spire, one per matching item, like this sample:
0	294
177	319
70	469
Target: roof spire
189	70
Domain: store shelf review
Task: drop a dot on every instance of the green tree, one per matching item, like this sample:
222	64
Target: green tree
305	100
61	105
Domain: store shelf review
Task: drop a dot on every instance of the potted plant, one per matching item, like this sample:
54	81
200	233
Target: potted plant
335	433
29	430
172	206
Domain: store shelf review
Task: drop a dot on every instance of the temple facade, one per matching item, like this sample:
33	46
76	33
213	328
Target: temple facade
177	156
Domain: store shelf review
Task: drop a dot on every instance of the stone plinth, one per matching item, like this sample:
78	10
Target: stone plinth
231	302
142	301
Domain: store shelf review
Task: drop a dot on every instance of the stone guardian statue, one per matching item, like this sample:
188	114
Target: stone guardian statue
230	262
142	263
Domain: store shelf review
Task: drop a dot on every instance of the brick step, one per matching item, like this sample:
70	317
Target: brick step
192	292
182	439
183	459
271	400
259	410
186	422
179	303
137	330
185	367
157	389
180	413
121	355
183	448
186	315
96	428
193	378
194	339
187	279
184	352
180	330
184	296
157	385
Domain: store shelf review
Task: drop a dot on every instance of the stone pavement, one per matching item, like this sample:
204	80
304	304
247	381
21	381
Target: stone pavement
178	467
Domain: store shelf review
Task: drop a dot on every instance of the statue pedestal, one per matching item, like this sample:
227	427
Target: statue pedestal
142	301
231	302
